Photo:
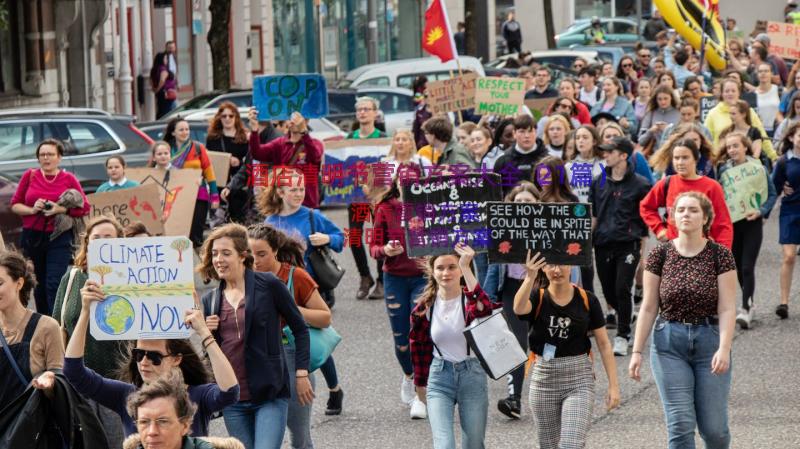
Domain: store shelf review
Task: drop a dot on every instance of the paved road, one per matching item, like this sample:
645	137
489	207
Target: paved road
764	405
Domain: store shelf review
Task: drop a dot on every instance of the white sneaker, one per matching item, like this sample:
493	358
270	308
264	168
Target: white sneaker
744	318
418	409
407	391
620	346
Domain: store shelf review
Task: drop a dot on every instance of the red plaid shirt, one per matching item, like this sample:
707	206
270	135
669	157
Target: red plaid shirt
420	335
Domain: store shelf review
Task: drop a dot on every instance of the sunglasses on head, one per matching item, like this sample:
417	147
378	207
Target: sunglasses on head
153	356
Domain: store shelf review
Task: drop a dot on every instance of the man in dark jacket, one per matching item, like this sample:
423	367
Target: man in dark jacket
618	230
512	33
519	161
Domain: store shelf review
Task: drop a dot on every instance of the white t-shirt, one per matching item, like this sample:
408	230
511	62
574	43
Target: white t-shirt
768	106
447	330
590	98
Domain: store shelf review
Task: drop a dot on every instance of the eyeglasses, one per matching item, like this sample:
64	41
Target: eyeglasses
47	155
153	356
161	423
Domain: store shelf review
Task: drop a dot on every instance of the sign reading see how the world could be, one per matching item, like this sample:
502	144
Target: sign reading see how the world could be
148	283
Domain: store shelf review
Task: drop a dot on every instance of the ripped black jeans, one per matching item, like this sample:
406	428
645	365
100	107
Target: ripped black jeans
400	293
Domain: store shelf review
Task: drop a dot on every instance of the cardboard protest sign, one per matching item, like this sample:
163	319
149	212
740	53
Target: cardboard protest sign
2	243
277	96
341	166
443	210
499	96
745	188
561	232
784	39
706	105
222	166
177	190
148	284
539	106
141	203
451	95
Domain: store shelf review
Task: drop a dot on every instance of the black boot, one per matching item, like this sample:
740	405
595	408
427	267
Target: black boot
335	402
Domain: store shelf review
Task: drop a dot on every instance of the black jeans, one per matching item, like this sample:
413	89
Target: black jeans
358	249
238	205
520	330
747	237
587	277
51	260
616	267
198	222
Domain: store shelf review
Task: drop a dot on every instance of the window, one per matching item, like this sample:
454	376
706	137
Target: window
382	81
83	138
391	103
18	141
341	102
240	100
623	28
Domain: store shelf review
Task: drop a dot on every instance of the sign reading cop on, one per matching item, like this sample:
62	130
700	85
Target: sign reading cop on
148	282
745	188
278	96
499	96
561	232
444	210
453	94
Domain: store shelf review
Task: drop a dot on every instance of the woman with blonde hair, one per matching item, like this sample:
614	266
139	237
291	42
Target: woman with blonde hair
463	131
555	134
607	133
404	151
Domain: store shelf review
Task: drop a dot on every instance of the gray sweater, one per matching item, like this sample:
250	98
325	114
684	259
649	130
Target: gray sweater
670	116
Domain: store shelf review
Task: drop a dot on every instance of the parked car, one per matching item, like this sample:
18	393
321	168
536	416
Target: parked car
396	106
10	223
563	58
614	52
211	100
403	72
90	136
616	30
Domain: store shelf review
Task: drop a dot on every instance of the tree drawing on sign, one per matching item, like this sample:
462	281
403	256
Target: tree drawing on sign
180	246
102	270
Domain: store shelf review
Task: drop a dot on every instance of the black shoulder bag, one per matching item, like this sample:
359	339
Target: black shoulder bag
327	271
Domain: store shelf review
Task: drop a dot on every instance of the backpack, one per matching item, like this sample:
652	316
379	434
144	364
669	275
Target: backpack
532	355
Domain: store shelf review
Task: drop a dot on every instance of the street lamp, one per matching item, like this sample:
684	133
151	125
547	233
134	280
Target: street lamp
124	79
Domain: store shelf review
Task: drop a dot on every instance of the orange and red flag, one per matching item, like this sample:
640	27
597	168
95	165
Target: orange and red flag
436	37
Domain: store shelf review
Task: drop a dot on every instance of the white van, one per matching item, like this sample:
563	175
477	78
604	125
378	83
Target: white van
402	73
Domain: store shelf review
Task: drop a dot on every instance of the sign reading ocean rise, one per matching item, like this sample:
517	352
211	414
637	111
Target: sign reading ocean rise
278	96
148	283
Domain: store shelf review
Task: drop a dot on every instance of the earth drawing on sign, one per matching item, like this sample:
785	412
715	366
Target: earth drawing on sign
115	315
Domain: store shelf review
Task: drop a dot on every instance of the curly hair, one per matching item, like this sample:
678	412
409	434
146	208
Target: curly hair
286	249
238	235
215	127
169	386
81	255
18	267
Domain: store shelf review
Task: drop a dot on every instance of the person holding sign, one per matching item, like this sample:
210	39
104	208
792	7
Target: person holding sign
560	316
147	362
115	168
748	230
690	295
617	233
227	133
786	177
445	373
244	315
296	149
186	153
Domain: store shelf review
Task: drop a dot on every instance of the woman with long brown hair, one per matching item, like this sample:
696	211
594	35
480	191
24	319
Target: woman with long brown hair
661	161
226	133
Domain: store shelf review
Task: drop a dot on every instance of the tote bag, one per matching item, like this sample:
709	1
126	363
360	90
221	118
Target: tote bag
495	346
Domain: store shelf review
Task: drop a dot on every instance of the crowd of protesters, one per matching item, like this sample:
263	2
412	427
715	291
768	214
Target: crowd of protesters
629	140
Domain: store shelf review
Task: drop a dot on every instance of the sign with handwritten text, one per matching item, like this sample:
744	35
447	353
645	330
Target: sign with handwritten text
499	96
148	283
452	94
784	39
745	188
277	96
345	162
141	203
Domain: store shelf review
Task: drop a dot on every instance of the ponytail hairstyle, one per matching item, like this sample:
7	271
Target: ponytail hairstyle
18	267
705	206
286	249
425	300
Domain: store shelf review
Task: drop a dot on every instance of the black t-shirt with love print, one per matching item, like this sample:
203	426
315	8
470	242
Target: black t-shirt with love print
564	327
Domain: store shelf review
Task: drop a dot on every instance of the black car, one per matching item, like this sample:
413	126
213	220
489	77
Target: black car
90	136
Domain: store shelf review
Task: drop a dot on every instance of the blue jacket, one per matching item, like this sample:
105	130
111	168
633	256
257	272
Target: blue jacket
298	226
787	170
622	108
267	300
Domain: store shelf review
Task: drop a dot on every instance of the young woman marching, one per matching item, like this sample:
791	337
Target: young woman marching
786	178
690	294
445	372
562	379
748	232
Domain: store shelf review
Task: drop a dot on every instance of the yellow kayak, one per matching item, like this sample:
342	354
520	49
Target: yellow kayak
686	17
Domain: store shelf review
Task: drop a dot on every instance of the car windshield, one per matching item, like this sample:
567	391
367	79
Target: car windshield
197	102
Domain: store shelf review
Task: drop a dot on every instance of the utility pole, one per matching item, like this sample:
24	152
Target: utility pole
124	78
148	111
372	31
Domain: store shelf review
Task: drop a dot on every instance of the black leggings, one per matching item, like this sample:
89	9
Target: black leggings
359	252
747	237
616	268
520	330
199	222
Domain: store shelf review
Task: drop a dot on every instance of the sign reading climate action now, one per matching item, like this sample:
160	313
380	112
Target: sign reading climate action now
499	96
561	232
440	211
148	284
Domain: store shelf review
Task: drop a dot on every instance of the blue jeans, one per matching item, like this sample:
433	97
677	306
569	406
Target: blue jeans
299	417
328	370
50	262
481	267
457	384
257	426
692	396
400	292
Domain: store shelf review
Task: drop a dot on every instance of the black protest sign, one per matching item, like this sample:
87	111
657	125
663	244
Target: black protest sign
440	211
561	232
706	105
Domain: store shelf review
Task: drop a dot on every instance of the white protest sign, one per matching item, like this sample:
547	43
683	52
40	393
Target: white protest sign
148	284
